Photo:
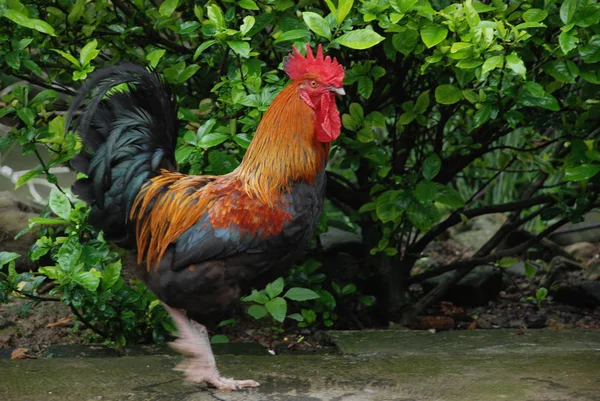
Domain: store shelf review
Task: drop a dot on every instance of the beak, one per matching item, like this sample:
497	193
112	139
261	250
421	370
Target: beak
339	91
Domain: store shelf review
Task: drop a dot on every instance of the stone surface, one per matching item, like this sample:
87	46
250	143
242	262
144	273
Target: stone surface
480	286
371	366
583	250
583	295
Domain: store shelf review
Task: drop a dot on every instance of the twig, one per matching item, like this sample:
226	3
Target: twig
87	324
464	267
37	297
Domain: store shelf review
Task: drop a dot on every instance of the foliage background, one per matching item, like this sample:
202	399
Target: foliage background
454	110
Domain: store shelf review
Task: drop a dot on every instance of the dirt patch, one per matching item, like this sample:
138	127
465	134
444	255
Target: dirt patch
30	326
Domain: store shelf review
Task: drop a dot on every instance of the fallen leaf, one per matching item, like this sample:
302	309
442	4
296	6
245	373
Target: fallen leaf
21	353
554	325
66	321
433	322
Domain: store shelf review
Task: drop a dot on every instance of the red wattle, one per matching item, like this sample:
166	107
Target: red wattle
329	124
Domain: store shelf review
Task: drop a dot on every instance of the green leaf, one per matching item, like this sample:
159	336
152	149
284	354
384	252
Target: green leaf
110	274
27	115
66	55
257	311
249	22
568	40
219	339
422	216
205	45
256	296
533	94
482	115
590	73
31	174
344	8
507	262
300	294
46	221
492	63
59	203
168	7
535	15
514	63
405	42
69	253
277	307
31	23
560	71
211	140
248	4
469	63
431	167
87	280
365	86
317	24
447	94
292	35
76	12
567	10
541	294
7	257
390	205
407	118
426	191
360	39
275	288
52	272
530	269
526	25
188	72
590	53
44	96
88	52
471	14
215	15
155	56
404	6
433	34
422	103
582	172
240	47
296	316
449	196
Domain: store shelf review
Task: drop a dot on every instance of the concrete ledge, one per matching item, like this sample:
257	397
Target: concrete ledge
374	366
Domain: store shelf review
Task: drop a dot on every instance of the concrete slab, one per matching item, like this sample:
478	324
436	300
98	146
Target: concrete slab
486	367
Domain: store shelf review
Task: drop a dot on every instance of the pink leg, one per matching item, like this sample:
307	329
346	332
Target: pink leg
199	365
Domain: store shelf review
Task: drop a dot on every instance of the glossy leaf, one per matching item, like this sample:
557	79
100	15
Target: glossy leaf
277	308
582	172
317	24
433	34
448	94
360	39
300	294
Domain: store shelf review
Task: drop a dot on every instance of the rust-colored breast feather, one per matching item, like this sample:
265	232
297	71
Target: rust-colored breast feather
172	203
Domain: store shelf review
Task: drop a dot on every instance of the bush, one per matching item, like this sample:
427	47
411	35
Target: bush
454	109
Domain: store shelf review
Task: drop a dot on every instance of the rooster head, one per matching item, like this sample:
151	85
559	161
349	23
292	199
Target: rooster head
319	79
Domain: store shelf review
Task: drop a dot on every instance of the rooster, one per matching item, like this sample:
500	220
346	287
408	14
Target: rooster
204	240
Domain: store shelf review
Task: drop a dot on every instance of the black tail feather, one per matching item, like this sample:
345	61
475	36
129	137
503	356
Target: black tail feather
129	135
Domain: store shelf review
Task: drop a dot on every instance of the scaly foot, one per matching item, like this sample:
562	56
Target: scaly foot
199	365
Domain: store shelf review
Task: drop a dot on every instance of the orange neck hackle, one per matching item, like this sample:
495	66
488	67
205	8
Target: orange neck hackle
284	149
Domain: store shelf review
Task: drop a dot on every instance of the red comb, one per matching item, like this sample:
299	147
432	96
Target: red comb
324	68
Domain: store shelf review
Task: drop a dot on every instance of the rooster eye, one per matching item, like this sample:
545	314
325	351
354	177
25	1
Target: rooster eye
313	84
